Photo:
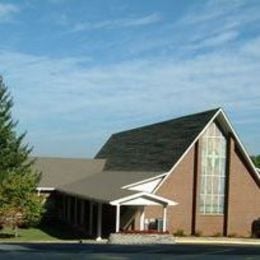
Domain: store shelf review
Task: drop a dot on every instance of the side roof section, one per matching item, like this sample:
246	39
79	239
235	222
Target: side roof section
105	186
154	147
60	171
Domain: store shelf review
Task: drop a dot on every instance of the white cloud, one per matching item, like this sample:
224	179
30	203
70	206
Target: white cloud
102	99
213	23
85	99
7	11
216	40
212	10
210	24
118	23
252	48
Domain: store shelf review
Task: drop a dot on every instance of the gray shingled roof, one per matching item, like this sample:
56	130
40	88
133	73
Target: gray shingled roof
60	171
155	147
106	186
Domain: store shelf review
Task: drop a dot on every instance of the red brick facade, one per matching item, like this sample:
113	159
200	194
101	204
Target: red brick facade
244	197
242	201
177	187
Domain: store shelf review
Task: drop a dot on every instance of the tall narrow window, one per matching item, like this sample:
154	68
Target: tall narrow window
213	171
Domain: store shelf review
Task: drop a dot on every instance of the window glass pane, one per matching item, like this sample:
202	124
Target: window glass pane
209	185
222	186
215	185
202	186
210	146
213	171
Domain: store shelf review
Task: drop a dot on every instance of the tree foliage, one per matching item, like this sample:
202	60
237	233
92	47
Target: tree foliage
256	160
19	203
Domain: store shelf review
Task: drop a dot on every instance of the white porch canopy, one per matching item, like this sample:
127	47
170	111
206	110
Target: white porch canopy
142	199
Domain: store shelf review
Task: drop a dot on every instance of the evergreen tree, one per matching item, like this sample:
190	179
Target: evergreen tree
256	160
13	154
19	202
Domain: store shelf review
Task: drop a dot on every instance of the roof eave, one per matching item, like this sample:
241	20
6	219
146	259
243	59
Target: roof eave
69	193
246	154
188	149
128	186
140	194
244	150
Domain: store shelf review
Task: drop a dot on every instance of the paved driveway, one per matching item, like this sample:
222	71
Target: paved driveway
102	251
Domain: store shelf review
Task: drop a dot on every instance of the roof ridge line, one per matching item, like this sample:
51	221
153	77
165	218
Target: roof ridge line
189	147
168	120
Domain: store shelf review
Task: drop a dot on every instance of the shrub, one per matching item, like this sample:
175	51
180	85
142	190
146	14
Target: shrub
232	235
218	234
179	233
198	233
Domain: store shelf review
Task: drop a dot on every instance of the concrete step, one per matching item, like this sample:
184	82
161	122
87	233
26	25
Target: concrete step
130	239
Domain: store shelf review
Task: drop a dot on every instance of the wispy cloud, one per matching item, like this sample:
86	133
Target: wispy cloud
207	24
216	40
211	10
205	59
252	47
7	11
85	98
118	23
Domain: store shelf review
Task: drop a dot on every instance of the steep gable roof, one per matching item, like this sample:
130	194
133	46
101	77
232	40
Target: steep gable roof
154	147
228	129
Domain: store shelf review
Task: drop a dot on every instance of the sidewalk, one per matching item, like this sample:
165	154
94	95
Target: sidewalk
58	241
217	240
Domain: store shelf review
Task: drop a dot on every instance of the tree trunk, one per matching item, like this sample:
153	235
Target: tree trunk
15	231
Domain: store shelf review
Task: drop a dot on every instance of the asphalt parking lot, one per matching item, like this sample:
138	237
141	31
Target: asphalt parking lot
103	251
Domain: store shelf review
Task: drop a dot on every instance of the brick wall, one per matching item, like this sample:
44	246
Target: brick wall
244	199
177	187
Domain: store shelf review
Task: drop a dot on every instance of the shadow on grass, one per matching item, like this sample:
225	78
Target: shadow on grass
6	235
61	231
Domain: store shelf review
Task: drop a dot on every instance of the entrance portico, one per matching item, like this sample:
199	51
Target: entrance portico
97	218
142	200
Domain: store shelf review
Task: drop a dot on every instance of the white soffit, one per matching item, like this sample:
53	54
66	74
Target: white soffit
143	197
142	201
147	186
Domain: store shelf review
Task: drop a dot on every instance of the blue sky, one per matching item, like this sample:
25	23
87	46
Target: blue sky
81	70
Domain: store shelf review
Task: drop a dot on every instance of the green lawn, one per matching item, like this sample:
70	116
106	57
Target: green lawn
41	233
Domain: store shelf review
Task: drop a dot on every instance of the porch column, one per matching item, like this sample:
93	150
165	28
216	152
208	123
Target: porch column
90	224
82	211
64	207
99	222
75	211
142	219
68	209
164	218
117	218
